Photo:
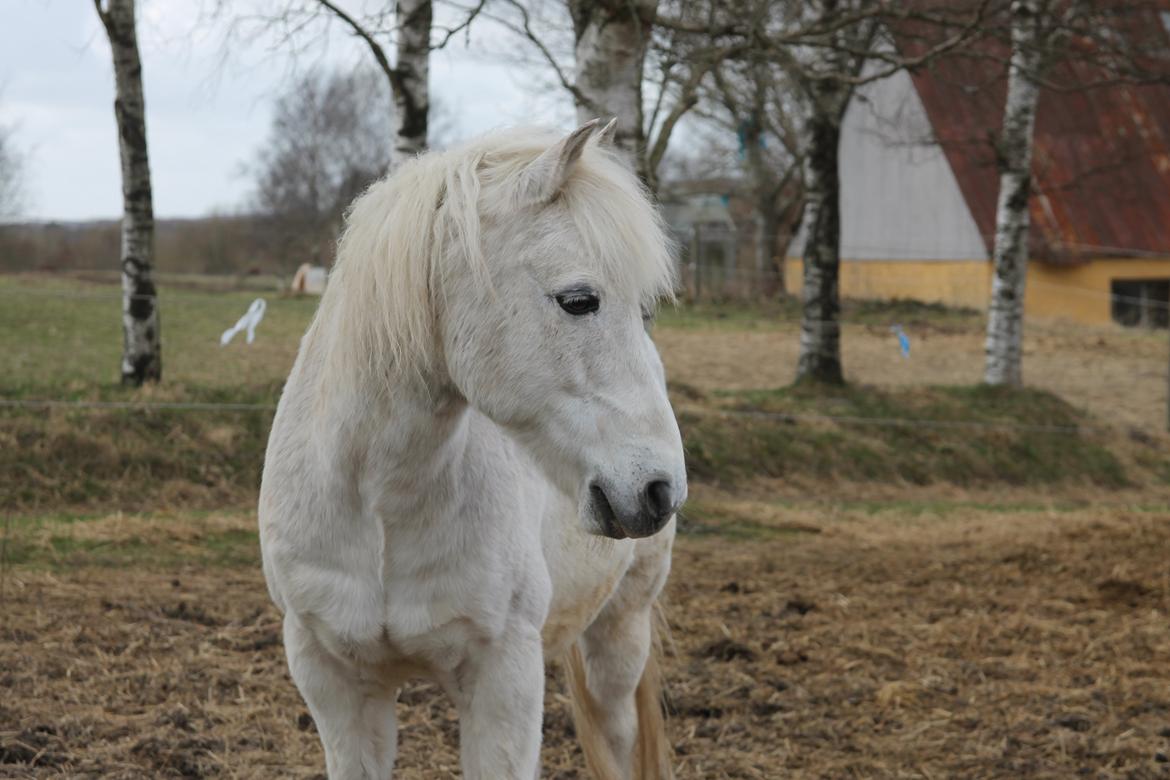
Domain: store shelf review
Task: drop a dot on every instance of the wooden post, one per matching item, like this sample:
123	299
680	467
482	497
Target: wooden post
697	259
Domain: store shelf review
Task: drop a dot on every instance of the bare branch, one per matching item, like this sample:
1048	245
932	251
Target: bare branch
525	29
375	48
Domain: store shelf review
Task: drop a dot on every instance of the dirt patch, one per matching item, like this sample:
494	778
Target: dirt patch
934	642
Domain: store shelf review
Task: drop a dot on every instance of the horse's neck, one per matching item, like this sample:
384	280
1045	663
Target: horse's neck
400	449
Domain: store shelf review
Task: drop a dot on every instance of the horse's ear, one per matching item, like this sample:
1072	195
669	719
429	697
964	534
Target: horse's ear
605	136
546	175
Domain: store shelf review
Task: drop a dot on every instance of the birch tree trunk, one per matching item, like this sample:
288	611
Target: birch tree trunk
1005	321
141	351
820	327
412	95
612	36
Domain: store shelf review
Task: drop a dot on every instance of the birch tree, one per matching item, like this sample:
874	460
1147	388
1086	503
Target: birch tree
141	345
1005	321
398	37
412	96
408	76
820	326
621	47
609	54
1103	45
1111	44
824	77
823	48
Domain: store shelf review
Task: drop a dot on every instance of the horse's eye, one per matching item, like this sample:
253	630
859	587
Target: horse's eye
579	302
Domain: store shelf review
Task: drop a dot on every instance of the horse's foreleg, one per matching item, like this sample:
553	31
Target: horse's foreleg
500	694
355	718
615	649
614	678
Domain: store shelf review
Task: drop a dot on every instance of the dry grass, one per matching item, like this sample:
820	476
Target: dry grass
845	641
1118	375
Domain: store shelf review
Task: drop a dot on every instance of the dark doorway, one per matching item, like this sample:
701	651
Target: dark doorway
1141	302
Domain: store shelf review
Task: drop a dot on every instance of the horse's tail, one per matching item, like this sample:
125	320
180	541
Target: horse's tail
651	748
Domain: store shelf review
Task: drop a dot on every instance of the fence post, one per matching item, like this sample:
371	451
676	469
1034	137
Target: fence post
697	257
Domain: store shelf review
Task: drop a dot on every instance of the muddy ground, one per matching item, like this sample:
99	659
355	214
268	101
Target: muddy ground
962	638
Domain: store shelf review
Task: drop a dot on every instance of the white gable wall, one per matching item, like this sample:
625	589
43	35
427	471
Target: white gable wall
899	197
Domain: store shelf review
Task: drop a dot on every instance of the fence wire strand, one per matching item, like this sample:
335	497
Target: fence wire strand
680	410
207	296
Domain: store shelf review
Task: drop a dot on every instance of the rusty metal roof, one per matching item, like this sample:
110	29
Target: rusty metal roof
1101	161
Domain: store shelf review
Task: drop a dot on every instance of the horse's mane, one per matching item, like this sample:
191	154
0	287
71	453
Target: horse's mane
421	224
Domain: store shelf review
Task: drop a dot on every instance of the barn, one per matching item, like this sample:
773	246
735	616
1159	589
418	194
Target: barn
919	184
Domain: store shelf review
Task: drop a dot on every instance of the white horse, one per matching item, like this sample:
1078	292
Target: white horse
474	464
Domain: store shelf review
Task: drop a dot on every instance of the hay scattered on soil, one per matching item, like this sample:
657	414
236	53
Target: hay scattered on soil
967	642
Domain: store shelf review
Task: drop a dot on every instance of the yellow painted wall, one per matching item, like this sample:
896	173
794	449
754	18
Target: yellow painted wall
953	282
1079	293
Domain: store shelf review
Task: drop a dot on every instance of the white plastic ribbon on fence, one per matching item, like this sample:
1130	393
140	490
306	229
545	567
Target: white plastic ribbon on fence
247	323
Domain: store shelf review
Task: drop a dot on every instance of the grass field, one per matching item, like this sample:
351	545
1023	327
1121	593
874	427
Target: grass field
975	587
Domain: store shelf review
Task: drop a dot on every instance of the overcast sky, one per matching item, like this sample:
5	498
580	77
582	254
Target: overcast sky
205	117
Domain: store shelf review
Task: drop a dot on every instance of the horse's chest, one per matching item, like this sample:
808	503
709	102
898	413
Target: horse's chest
585	573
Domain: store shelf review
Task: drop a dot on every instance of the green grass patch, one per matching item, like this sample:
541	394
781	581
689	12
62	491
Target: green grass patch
143	541
61	338
967	436
130	460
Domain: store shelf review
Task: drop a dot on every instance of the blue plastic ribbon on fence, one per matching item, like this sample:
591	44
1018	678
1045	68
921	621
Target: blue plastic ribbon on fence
903	340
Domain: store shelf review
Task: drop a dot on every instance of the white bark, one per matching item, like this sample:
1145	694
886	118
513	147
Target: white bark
612	36
412	95
820	328
141	352
1005	322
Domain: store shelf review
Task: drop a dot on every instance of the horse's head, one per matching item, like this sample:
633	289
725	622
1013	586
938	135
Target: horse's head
550	340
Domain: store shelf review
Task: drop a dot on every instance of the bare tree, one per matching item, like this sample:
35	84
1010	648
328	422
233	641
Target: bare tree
141	345
611	37
399	37
412	98
327	142
838	37
824	46
408	76
11	176
751	99
1110	44
619	49
1006	310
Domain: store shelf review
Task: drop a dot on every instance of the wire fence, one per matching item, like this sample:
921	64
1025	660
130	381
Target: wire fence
681	410
887	345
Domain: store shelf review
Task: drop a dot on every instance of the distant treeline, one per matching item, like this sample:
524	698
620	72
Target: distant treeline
222	244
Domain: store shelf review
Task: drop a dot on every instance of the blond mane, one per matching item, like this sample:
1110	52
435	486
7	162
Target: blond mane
421	224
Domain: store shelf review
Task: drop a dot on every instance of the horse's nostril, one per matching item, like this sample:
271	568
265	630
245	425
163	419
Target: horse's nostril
658	498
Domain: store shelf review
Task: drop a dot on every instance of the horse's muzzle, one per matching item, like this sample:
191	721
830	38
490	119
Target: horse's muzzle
655	504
